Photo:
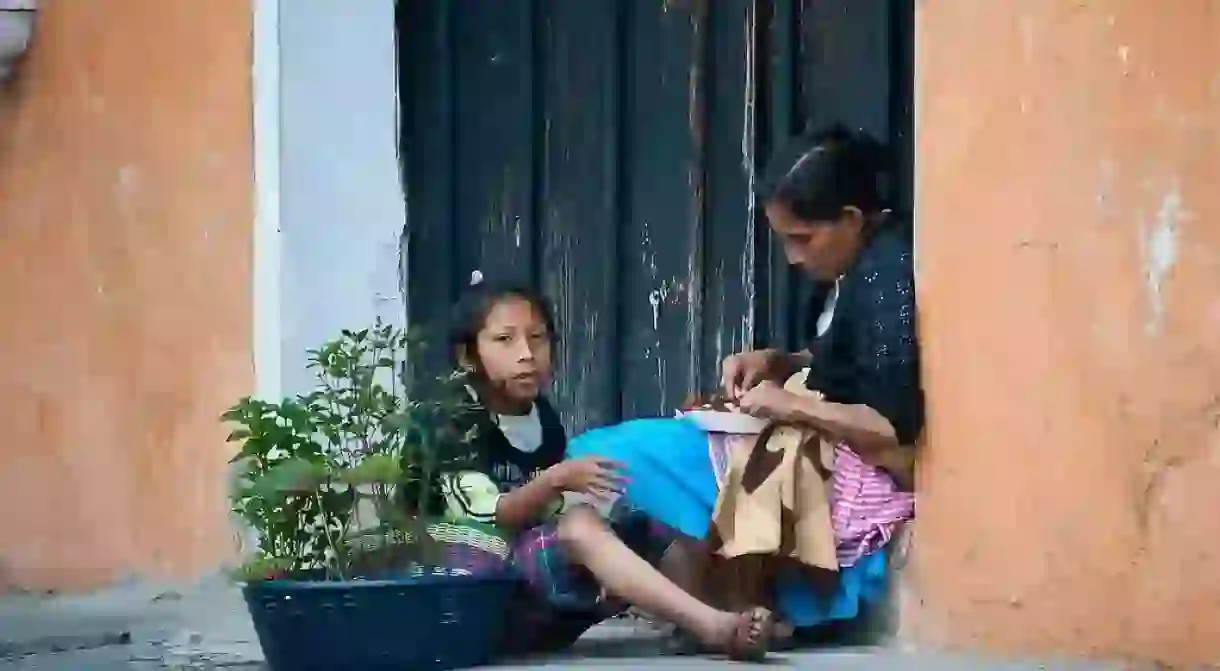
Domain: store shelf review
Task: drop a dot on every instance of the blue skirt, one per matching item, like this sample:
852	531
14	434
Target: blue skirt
671	479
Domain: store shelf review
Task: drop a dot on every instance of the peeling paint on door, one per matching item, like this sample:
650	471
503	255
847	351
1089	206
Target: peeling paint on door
632	132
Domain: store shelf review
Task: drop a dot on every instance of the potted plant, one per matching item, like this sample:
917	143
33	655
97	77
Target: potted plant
342	486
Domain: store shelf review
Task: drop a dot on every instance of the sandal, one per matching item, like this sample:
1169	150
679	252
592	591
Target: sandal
749	640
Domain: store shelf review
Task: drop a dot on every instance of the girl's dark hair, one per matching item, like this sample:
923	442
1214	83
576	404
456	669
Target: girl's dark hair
821	172
470	313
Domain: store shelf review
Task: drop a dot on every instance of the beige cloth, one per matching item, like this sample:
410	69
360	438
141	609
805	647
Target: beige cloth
775	497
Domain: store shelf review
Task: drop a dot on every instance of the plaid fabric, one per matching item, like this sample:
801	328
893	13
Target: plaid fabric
866	507
559	601
467	548
544	564
466	559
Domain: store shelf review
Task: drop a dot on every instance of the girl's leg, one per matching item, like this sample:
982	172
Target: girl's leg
624	573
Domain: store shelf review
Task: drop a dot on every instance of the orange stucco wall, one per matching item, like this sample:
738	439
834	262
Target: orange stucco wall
125	275
1069	268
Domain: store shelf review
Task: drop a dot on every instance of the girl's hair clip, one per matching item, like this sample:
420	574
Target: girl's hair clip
476	278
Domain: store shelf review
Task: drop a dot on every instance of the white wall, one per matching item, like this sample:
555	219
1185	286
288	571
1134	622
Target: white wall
341	206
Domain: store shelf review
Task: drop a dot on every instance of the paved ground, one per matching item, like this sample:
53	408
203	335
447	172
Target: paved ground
206	627
855	660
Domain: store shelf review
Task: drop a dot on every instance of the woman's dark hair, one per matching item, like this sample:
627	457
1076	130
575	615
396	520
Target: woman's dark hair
470	313
819	173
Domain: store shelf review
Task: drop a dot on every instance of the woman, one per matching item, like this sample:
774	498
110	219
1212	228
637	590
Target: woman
825	201
860	400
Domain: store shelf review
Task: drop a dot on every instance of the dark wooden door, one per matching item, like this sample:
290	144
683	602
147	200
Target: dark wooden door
605	151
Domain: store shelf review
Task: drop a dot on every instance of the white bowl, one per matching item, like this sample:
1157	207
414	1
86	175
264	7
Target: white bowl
718	421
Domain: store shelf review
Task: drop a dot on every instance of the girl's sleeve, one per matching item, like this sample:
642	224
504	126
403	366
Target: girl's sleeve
465	492
453	489
470	496
888	346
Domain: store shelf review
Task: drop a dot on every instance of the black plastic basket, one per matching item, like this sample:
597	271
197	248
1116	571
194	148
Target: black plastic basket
430	621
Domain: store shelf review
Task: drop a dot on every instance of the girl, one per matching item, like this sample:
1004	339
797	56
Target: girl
598	546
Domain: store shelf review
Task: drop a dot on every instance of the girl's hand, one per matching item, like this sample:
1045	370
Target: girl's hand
769	401
590	475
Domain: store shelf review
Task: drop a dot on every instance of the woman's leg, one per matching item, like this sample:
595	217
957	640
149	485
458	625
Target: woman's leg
750	581
686	564
591	543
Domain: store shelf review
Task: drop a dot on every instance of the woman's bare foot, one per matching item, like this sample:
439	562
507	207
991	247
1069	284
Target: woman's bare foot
782	635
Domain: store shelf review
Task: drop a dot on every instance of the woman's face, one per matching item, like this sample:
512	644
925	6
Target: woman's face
823	249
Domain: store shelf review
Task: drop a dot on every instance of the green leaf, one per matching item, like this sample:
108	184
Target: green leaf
350	417
235	414
292	476
377	469
260	568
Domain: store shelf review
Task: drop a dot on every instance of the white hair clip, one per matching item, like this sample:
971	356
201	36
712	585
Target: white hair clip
476	278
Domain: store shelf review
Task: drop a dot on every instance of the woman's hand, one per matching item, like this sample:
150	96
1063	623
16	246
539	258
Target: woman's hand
742	372
770	401
590	475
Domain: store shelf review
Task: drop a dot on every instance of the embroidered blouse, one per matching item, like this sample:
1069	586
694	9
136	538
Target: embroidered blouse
869	354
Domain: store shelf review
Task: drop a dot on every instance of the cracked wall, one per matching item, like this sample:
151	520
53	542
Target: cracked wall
1069	274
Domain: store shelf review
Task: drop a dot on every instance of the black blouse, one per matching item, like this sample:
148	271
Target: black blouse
870	353
489	452
510	467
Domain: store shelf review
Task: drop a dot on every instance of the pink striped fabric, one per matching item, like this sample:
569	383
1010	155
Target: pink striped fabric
719	445
866	506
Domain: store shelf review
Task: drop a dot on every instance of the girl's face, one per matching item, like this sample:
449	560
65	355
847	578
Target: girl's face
823	249
514	350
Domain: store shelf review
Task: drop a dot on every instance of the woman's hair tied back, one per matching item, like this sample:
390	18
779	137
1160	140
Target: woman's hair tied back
826	169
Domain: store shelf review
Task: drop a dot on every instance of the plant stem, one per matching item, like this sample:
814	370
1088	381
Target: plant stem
329	536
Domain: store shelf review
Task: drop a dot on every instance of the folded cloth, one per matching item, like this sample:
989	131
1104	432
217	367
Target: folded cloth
775	499
675	472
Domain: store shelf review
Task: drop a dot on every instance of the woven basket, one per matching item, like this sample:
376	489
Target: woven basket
429	620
